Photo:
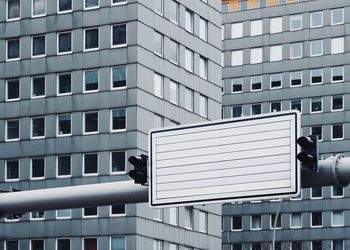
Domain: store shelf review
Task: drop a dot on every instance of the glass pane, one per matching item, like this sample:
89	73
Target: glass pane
189	20
158	85
237	85
173	92
337	131
296	104
91	3
38	45
37	245
316	105
158	43
64	42
63	244
91	38
173	53
203	29
337	74
64	82
39	8
337	16
203	67
316	19
337	102
38	215
13	49
119	119
38	86
90	163
237	111
119	77
236	222
188	99
13	9
38	127
64	124
90	244
90	211
91	80
11	245
63	165
256	109
275	107
316	76
38	167
276	81
13	129
91	122
118	161
65	5
119	34
13	89
173	9
12	170
117	243
118	209
317	131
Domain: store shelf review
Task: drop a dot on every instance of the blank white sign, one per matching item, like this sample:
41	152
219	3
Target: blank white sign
248	158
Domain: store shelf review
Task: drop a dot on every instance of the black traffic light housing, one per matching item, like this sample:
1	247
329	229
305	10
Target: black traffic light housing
139	174
309	152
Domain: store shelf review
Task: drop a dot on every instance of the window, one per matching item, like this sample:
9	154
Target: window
316	76
236	223
337	132
117	243
158	43
91	122
262	3
295	78
63	166
337	218
203	106
38	127
236	111
13	10
63	244
63	214
12	90
337	103
243	5
64	82
275	106
202	221
337	16
338	74
317	131
38	87
118	2
316	219
189	217
158	85
38	168
90	243
316	48
13	49
295	220
337	45
12	170
296	50
91	38
118	77
337	245
90	212
37	245
275	53
316	245
275	25
316	192
158	214
272	221
237	85
118	162
236	246
189	20
64	6
173	51
173	216
188	99
224	7
157	245
296	245
38	46
158	6
173	11
256	55
337	192
237	58
174	90
37	215
38	8
90	164
119	35
118	119
255	222
203	67
316	105
256	109
189	60
64	125
173	246
282	1
118	209
236	30
295	104
11	245
203	29
91	80
256	28
316	19
275	81
256	83
296	22
12	130
64	41
91	4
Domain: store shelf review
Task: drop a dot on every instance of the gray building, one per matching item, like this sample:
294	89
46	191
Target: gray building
281	57
81	84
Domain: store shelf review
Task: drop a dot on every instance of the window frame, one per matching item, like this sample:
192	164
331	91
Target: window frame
189	14
278	87
71	41
257	57
19	49
84	121
277	30
201	19
110	162
97	167
90	216
39	15
162	8
316	26
91	8
119	3
162	44
89	237
295	18
272	221
189	52
236	106
311	222
31	169
126	36
57	125
332	74
274	102
334	48
205	221
255	104
311	75
332	102
332	219
177	12
19	171
32	87
111	121
291	219
57	239
63	176
279	49
332	136
205	98
84	39
251	223
36	219
235	35
6	131
126	78
319	139
7	12
241	84
9	240
240	54
204	60
251	83
32	137
63	217
64	11
117	236
42	239
257	32
336	196
290	79
177	92
301	104
311	47
117	215
155	83
291	50
177	52
241	228
84	80
316	112
332	14
58	84
316	197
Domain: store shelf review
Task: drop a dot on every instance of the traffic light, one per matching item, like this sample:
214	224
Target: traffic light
309	152
139	174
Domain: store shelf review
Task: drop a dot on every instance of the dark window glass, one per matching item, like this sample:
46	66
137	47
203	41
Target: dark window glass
256	246
317	245
63	244
256	83
90	244
90	211
11	245
316	219
64	83
13	9
119	35
279	221
65	5
237	246
236	222
38	88
91	80
278	245
38	167
12	129
91	3
119	1
295	79
38	215
337	191
39	8
91	39
276	81
90	163
37	245
38	45
317	130
296	245
316	76
337	102
63	165
237	111
237	85
338	245
64	124
118	209
118	161
91	122
118	119
65	42
256	109
13	49
296	104
262	3
12	169
13	89
316	192
337	131
316	105
38	127
119	77
275	106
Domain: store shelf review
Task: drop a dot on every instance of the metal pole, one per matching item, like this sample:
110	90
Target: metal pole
121	192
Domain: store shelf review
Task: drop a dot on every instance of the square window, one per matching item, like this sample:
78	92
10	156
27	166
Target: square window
337	16
118	119
337	45
91	122
37	215
158	6
203	67
337	103
12	90
275	81
275	106
38	8
37	245
295	78
12	170
173	11
256	109
64	125
316	19
90	243
11	245
64	6
64	82
91	38
276	53
256	83
256	28
337	132
296	50
13	49
296	22
316	48
118	162
236	111
38	127
118	77
316	105
91	80
203	106
63	244
316	219
188	99
295	220
316	76
90	164
203	29
316	192
158	43
237	58
118	243
64	41
337	192
189	20
237	85
256	55
63	213
255	222
118	209
38	87
338	74
189	60
278	222
173	51
119	35
38	168
337	218
90	212
317	131
295	104
158	85
275	25
38	46
236	30
337	245
236	224
174	90
12	130
13	10
91	4
63	166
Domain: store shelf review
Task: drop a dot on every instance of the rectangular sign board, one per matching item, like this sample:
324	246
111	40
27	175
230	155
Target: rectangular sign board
239	159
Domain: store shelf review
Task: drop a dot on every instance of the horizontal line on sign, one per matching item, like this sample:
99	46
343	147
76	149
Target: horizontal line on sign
222	165
217	157
222	173
224	181
222	149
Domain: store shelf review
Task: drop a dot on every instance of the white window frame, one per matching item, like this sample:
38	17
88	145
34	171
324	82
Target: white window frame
36	239
31	170
116	236
316	112
71	42
316	26
19	130
189	13
12	19
63	176
237	230
253	25
98	167
251	84
84	34
126	77
58	84
297	198
177	12
290	79
278	29
291	219
31	89
31	128
336	110
156	75
256	55
291	50
251	108
70	242
110	162
202	97
205	61
236	92
119	3
238	53
332	23
316	198
271	111
177	92
336	197
19	171
337	139
65	11
111	121
320	226
17	58
202	213
126	36
301	104
177	53
332	219
89	216
319	54
205	27
251	223
65	217
32	47
32	10
321	132
116	215
190	53
36	219
84	120
91	8
83	241
335	49
98	81
176	216
238	34
57	126
272	221
332	74
294	18
162	44
311	83
162	7
276	49
279	87
339	240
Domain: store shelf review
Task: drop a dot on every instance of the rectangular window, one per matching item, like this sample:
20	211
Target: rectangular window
316	105
237	58
203	106
12	130
317	131
117	210
316	19
256	83
12	90
91	4
337	218
173	51
63	214
158	43
90	243
189	60
256	109
337	103
12	170
63	166
13	49
38	8
256	28
157	245
91	80
236	223
316	48
202	221
117	243
173	216
158	6
243	5
118	77
275	106
236	30
63	244
189	20
262	3
64	43
90	122
38	127
337	45
64	84
337	192
278	222
256	55
37	245
275	81
90	212
90	164
118	162
275	25
203	29
13	10
337	16
316	76
38	168
203	67
337	245
11	245
158	214
64	6
295	78
296	245
296	50
295	104
174	11
316	193
37	215
188	99
173	246
38	87
64	125
337	132
295	220
275	53
237	85
316	219
91	39
119	35
189	217
338	74
174	90
315	245
118	119
38	46
236	111
296	22
158	85
118	2
255	223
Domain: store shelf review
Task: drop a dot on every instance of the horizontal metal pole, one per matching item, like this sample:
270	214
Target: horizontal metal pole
120	192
